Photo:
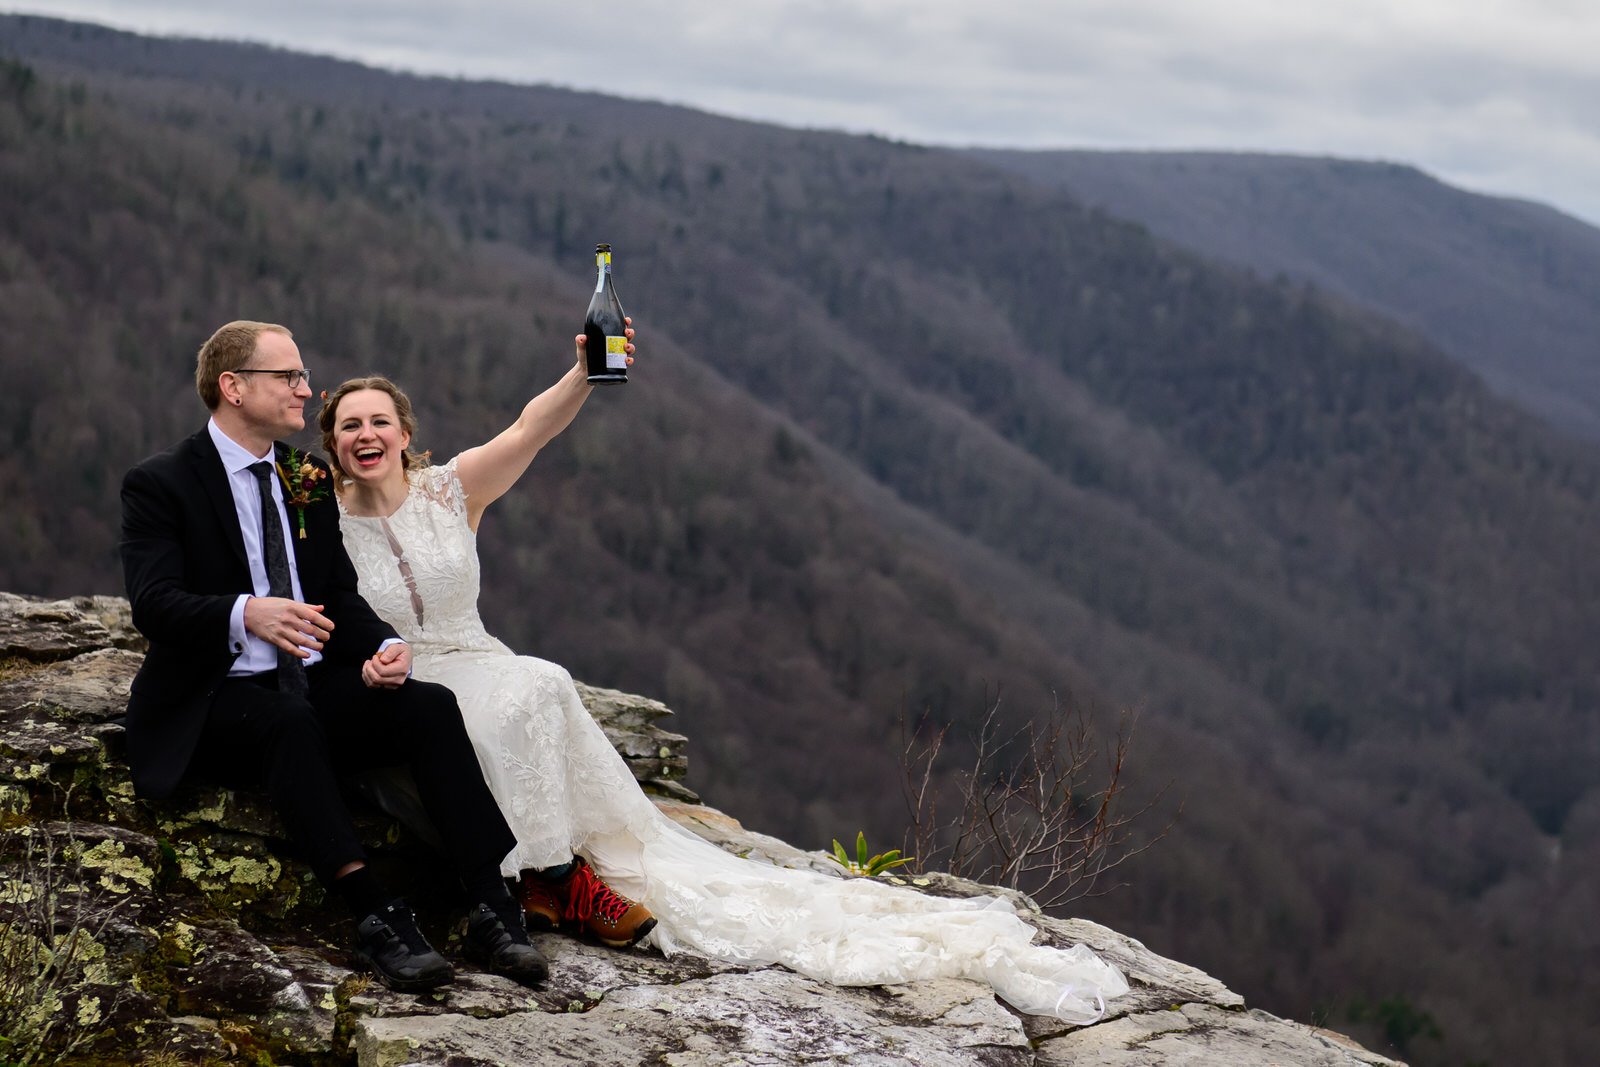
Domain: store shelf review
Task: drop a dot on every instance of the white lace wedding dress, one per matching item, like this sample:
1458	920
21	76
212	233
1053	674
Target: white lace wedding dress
564	789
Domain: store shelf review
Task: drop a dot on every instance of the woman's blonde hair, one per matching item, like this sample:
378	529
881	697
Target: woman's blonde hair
328	417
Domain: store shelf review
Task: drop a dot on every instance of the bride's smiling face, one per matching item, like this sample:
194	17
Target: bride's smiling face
368	439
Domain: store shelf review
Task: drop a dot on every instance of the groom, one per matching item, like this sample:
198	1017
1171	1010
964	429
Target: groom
267	670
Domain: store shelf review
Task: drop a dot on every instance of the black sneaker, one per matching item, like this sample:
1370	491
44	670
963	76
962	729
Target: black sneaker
389	945
503	949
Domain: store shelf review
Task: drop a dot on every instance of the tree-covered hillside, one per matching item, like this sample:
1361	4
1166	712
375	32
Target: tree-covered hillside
905	429
1505	286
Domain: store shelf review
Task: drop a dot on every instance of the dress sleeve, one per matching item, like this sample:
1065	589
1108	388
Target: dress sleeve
442	486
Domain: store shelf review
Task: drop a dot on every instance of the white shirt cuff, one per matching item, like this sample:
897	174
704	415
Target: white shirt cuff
236	631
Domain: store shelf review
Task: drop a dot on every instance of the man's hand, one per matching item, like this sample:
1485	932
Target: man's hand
288	624
389	668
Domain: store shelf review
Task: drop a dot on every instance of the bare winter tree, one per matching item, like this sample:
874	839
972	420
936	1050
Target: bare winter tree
1039	809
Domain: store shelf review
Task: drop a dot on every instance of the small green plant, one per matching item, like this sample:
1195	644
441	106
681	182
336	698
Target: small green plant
871	866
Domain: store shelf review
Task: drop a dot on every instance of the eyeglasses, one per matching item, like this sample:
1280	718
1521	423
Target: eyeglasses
291	378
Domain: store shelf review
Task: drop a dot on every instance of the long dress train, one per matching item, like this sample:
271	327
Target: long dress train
564	789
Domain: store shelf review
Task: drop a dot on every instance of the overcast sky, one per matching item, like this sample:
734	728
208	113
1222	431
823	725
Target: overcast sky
1499	96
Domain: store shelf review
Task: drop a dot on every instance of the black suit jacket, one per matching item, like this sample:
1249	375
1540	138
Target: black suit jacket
183	561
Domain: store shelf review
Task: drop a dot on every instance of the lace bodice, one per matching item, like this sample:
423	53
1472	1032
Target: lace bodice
418	568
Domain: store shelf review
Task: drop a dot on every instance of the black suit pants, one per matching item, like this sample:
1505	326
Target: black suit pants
297	747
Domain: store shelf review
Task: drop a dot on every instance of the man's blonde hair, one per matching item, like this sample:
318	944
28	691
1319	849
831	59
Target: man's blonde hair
230	348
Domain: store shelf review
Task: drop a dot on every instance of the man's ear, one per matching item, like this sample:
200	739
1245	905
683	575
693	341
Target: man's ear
229	385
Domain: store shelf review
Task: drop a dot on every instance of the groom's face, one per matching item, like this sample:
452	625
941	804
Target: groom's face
268	401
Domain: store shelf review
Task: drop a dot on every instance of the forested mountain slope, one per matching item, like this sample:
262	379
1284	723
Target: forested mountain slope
905	428
1509	287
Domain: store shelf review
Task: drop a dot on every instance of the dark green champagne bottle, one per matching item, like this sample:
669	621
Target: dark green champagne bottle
605	343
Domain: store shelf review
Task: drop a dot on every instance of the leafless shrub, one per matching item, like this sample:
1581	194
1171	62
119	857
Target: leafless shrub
56	992
1039	809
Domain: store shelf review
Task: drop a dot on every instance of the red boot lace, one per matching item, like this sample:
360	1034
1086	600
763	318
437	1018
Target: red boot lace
587	895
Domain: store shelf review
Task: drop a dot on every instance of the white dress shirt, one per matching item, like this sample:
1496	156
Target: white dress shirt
255	654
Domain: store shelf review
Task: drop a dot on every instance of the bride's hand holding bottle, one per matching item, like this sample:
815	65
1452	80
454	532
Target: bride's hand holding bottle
488	470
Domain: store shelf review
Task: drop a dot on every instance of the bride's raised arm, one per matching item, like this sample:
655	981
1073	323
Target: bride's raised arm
488	470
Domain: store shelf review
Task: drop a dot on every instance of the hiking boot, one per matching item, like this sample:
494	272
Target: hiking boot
540	907
389	945
579	900
503	948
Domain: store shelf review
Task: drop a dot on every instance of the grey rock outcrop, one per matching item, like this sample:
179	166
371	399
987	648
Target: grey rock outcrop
187	933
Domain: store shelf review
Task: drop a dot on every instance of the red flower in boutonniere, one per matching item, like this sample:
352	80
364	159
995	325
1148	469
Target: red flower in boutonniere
304	483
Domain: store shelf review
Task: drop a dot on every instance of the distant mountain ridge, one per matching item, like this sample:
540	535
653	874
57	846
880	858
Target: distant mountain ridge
907	428
1509	287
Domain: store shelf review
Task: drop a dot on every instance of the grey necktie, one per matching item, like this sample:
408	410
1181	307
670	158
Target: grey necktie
291	669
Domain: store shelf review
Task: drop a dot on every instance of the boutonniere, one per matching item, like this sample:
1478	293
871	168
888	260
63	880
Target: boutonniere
304	483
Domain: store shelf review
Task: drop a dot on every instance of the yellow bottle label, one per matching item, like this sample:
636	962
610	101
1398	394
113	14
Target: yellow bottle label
616	353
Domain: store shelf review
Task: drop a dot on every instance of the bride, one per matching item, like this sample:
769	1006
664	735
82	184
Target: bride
578	814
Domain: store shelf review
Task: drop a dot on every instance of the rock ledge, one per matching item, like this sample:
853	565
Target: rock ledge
186	933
